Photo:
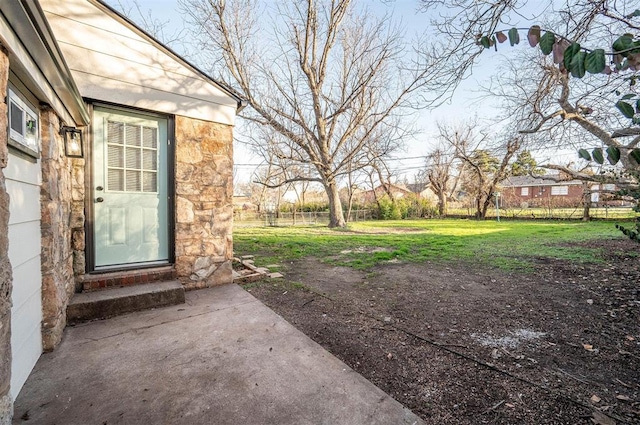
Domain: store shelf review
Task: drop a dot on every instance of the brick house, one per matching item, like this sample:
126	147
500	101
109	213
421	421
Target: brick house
382	190
527	191
115	168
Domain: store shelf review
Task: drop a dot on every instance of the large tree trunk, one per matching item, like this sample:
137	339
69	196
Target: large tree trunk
479	214
485	206
442	204
349	205
336	216
586	201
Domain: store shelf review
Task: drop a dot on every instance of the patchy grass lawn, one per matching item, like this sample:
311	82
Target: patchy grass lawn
509	245
468	322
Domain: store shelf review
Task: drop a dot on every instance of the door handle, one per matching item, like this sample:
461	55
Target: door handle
100	199
99	188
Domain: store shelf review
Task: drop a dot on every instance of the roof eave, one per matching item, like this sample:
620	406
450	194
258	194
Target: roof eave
46	55
241	102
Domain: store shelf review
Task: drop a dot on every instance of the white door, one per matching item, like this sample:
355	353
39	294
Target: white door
130	189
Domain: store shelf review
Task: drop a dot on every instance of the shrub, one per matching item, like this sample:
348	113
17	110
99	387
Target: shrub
410	206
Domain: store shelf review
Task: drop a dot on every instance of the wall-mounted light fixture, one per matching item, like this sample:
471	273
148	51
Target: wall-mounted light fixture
73	142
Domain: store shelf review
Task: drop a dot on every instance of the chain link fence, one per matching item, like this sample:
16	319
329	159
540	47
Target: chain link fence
284	219
308	218
576	213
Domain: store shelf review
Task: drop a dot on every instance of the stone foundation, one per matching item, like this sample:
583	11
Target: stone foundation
62	206
204	203
6	405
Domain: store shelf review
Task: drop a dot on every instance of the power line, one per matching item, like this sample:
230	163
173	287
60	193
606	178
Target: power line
407	158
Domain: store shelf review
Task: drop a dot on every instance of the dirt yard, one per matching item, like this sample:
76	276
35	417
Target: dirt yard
458	344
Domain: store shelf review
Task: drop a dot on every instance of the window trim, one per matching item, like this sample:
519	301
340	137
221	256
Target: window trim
524	191
17	140
560	190
138	168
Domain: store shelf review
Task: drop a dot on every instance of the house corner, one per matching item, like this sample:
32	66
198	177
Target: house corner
204	203
62	228
6	402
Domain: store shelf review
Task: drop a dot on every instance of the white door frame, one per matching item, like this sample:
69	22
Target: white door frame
92	194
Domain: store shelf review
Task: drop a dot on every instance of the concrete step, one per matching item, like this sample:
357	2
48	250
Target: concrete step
100	281
115	301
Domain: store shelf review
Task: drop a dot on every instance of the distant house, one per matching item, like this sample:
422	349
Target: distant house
417	187
527	191
242	201
397	192
604	194
424	191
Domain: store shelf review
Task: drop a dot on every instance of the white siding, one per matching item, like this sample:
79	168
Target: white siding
23	185
112	62
28	69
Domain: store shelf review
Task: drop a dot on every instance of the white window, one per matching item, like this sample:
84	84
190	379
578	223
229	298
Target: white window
524	191
609	186
132	152
559	190
23	125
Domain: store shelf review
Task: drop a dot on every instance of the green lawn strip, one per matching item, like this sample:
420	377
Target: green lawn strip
279	283
611	213
510	245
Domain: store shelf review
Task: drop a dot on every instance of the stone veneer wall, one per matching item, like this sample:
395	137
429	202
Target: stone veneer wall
204	203
62	205
6	281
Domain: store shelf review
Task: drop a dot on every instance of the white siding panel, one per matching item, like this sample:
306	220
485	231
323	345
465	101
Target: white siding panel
84	11
24	359
31	70
23	179
26	314
145	73
20	169
26	283
112	62
26	242
25	202
101	88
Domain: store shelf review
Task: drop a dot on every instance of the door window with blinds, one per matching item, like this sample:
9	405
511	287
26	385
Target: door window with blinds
132	157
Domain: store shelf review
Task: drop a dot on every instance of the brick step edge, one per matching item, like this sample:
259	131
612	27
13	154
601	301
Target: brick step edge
113	302
127	278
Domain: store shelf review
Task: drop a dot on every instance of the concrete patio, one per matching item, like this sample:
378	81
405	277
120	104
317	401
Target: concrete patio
221	358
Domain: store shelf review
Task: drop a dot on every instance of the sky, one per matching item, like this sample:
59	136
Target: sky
465	103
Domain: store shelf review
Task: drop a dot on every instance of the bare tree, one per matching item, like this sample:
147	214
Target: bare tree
262	194
488	178
461	23
483	170
553	110
145	20
553	106
380	175
441	173
350	190
595	23
546	97
354	179
329	78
